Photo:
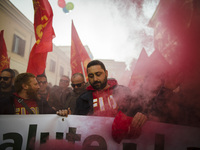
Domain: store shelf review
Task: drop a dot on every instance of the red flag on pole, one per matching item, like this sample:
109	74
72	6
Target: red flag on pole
140	70
44	34
4	60
79	55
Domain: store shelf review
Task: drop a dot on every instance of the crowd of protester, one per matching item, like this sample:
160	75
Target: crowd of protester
100	96
30	94
26	93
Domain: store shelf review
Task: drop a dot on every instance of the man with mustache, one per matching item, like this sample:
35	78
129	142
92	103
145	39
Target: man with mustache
26	96
105	97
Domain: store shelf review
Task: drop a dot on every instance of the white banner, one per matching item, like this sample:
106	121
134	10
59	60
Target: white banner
86	132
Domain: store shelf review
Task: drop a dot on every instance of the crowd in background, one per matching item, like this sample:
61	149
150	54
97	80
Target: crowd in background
26	90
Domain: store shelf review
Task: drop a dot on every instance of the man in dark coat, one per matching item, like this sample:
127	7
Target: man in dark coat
6	90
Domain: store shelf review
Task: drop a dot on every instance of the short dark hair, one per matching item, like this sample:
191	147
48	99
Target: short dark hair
65	77
78	74
96	62
9	70
23	78
42	75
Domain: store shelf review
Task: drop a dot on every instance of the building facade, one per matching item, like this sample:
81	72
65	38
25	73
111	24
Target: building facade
19	37
116	70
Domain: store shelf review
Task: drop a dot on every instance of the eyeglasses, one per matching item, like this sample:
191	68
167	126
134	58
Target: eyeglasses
78	85
64	81
43	82
5	78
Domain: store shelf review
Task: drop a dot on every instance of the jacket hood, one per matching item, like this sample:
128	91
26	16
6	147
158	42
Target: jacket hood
111	81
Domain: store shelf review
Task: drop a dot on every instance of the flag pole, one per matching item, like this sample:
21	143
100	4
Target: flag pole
83	70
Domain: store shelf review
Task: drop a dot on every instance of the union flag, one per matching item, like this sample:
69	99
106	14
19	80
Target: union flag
79	55
4	60
44	34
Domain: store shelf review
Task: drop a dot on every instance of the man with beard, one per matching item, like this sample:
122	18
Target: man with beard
6	90
26	95
106	98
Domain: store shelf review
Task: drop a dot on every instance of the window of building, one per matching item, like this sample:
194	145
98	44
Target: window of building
61	71
18	45
52	66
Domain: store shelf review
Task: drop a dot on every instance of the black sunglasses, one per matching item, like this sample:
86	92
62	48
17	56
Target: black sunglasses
78	85
5	78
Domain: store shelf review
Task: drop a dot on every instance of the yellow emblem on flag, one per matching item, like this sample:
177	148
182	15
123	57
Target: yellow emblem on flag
4	62
40	27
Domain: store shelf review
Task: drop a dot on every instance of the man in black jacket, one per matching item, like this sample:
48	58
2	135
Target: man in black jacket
43	94
6	90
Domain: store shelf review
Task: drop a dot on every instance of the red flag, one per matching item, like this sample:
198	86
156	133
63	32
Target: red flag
140	70
44	34
158	63
79	55
4	60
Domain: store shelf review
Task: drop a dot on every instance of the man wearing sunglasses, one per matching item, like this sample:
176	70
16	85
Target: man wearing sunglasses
79	86
43	93
6	90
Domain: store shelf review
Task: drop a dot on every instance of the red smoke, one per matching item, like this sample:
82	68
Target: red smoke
168	81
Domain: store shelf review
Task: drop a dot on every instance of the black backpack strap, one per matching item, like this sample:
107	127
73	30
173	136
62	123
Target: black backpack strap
21	101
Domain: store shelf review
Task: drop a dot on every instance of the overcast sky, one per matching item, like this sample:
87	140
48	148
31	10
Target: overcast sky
110	28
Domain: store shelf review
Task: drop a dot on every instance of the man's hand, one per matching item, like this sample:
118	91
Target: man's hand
64	112
126	127
136	125
138	120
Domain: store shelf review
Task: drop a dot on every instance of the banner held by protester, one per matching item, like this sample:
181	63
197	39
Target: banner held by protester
89	132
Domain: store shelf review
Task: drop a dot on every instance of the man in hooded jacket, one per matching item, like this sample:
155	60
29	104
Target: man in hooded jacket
104	97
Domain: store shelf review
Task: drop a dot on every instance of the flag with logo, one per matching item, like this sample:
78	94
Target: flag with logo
4	60
79	55
44	34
